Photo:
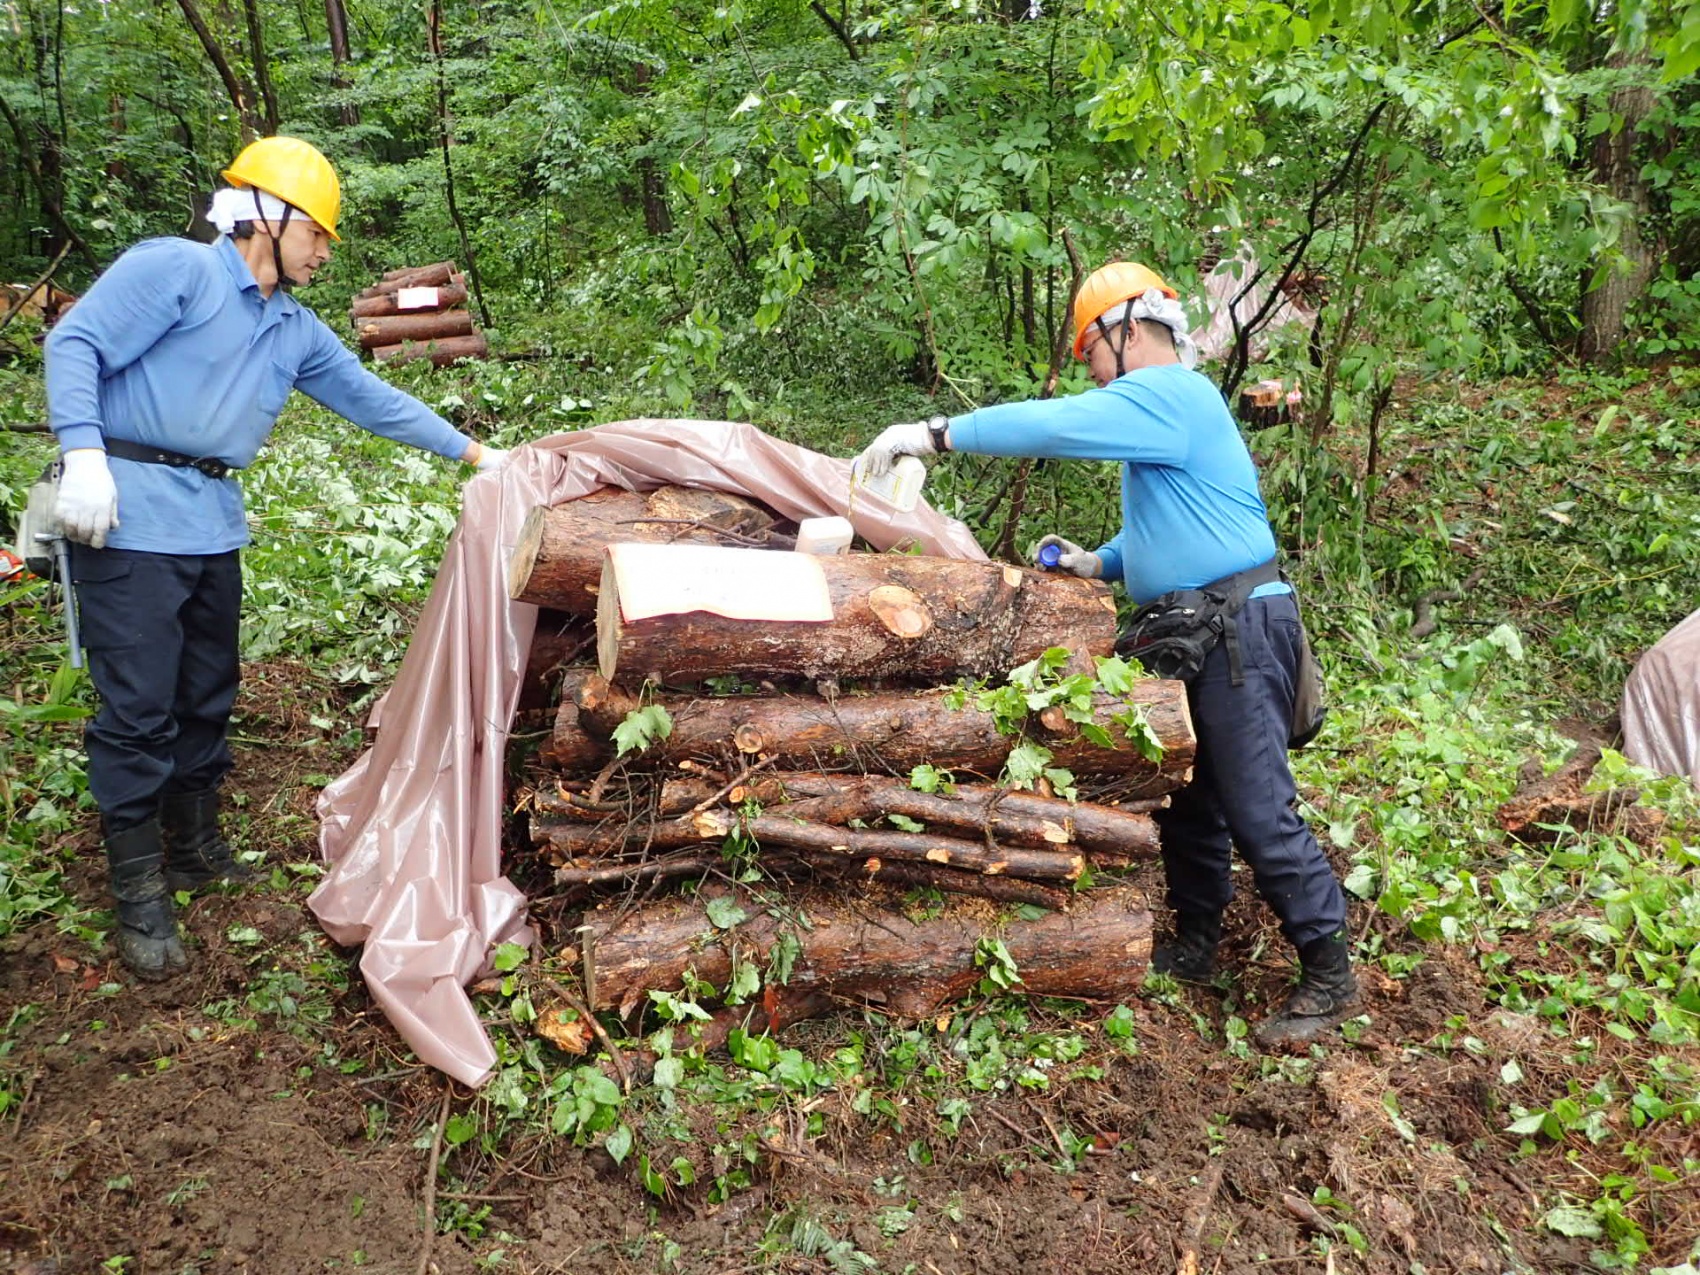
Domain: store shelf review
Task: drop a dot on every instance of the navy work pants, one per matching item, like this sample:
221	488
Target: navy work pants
1242	793
161	633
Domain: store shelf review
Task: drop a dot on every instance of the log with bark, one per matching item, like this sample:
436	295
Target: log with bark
557	559
800	830
441	353
399	328
892	615
981	813
559	640
995	815
889	731
432	276
865	950
387	303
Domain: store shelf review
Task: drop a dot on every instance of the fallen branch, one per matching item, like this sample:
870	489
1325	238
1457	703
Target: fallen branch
431	1182
40	281
1423	622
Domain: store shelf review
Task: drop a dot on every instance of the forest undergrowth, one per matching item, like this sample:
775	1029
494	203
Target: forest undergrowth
1522	1092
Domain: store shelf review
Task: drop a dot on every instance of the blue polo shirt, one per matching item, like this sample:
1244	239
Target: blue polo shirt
176	347
1191	510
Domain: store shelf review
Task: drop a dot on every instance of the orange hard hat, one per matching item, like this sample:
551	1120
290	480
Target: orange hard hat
1109	286
295	172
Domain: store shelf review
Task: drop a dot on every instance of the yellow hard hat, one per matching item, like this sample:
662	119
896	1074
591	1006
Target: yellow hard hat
295	172
1109	286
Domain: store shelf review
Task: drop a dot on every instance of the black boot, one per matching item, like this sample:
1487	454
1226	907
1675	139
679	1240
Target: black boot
1327	994
147	924
195	854
1191	955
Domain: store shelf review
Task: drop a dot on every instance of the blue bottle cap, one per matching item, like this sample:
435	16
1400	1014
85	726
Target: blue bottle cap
1050	555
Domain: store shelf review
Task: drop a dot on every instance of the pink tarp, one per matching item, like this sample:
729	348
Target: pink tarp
1661	704
412	831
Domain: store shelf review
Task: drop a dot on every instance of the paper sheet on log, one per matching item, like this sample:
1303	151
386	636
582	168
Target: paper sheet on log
740	584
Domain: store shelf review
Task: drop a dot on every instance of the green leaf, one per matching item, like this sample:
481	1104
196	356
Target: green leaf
905	823
724	912
925	778
618	1144
1529	1124
782	959
1026	762
641	728
459	1129
1578	1223
507	957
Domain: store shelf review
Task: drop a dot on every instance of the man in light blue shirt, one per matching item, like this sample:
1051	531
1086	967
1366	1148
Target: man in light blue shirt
163	380
1191	516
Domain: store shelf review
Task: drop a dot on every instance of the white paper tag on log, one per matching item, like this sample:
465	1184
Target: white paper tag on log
741	584
417	298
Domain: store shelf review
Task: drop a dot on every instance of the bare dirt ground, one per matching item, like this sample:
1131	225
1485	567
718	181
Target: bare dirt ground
188	1128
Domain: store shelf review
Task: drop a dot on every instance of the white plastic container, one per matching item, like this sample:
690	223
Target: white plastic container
900	486
825	536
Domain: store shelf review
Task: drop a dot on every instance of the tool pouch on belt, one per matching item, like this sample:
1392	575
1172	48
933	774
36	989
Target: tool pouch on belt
1173	634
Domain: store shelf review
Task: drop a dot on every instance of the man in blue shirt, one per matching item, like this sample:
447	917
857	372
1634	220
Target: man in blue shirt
165	378
1191	516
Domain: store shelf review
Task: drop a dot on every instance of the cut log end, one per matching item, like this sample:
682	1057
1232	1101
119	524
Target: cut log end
608	626
525	551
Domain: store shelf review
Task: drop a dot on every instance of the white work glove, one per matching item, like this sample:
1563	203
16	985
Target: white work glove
914	439
490	458
87	507
1074	559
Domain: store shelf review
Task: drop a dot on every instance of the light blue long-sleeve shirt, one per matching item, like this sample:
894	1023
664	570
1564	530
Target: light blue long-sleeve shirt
1191	510
176	347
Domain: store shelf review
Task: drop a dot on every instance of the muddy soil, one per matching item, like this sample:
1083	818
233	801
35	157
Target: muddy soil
260	1117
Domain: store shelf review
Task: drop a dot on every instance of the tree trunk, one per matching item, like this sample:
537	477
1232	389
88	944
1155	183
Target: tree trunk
412	327
1605	305
893	615
386	303
856	950
445	135
336	21
557	558
891	731
239	97
441	352
262	64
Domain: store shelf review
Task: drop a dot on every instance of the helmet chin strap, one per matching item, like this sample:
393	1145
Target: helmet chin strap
1121	348
283	280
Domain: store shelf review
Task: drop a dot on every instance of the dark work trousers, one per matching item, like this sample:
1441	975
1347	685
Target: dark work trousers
1242	792
161	632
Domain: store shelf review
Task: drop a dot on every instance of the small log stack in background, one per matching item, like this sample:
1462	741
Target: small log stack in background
418	312
780	769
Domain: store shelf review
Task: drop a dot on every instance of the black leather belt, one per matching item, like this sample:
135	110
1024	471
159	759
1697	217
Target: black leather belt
124	449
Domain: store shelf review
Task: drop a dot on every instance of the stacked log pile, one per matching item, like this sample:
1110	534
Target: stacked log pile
789	755
418	312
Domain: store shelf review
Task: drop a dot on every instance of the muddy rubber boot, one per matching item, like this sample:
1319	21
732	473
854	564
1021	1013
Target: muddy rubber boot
147	936
195	854
1327	994
1190	955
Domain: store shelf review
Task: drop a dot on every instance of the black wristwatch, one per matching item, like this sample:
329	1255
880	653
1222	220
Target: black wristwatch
939	428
